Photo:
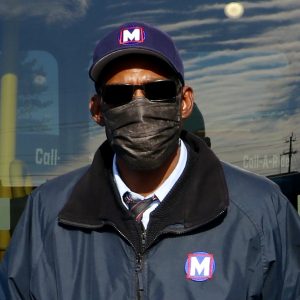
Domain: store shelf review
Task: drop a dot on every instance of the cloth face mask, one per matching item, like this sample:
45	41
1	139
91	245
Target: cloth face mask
143	133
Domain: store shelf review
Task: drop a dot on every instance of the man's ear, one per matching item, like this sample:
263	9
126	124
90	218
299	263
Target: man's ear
95	109
187	102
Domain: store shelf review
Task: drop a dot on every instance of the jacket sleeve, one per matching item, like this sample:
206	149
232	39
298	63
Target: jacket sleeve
291	265
21	255
283	278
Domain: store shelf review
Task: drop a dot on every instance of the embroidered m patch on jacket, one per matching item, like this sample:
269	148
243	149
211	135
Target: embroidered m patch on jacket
200	266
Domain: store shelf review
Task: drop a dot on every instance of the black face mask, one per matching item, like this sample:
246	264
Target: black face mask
143	133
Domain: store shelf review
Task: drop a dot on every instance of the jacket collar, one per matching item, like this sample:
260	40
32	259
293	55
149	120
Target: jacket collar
199	196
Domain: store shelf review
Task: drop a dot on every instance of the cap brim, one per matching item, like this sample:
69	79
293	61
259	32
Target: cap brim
97	68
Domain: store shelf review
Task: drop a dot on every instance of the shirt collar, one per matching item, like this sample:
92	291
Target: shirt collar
167	185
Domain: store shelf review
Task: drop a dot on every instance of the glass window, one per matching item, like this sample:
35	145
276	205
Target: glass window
241	58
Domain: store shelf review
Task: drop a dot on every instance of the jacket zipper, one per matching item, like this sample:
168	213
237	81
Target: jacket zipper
140	258
139	255
139	262
139	268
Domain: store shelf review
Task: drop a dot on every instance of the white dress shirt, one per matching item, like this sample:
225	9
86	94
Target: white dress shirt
161	192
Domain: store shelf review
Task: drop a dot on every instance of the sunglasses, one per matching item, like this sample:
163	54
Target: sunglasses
155	91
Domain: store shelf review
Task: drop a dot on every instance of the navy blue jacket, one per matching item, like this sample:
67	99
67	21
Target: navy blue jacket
221	233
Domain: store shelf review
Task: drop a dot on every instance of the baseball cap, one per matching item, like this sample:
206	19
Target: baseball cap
135	38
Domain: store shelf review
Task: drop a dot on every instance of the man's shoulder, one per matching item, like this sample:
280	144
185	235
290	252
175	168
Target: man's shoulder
254	194
243	180
50	197
64	181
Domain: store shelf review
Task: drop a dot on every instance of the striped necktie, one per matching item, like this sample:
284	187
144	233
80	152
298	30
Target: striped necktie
138	207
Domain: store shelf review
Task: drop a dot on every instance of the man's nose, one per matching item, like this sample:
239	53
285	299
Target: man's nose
138	93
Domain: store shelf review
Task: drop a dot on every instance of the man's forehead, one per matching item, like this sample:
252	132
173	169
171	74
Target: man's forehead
132	62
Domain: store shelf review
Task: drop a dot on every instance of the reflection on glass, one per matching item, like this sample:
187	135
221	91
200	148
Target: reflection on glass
38	94
37	114
241	58
234	10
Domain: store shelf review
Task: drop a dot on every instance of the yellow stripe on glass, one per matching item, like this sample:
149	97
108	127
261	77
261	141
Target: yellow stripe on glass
8	106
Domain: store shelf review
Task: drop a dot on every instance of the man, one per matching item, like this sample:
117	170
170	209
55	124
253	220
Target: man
156	215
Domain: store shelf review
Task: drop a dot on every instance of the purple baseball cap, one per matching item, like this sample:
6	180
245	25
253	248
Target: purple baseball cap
139	38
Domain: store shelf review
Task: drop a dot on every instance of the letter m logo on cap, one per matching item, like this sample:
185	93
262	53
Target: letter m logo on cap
131	36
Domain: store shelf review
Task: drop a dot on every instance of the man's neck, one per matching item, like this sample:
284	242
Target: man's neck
146	182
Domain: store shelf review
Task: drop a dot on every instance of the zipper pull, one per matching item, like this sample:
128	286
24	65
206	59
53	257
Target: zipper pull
143	239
